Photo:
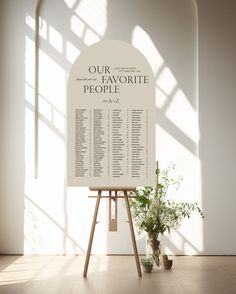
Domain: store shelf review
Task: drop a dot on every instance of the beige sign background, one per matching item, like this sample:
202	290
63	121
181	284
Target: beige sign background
111	118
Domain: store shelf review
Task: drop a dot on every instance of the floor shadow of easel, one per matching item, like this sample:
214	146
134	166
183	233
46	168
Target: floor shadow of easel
112	221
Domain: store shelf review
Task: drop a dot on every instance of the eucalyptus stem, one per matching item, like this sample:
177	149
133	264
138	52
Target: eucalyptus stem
156	192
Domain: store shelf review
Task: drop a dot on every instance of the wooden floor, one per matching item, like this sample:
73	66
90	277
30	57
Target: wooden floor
115	275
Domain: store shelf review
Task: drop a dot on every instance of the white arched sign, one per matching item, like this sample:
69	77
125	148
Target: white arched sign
111	118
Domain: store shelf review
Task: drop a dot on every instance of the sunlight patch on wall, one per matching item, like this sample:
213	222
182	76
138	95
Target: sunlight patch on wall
29	61
94	14
142	41
77	26
180	110
161	98
41	235
29	94
43	214
182	114
58	120
43	28
55	216
55	39
187	166
52	79
30	22
51	75
166	81
187	163
71	52
175	107
29	143
51	147
80	214
70	3
90	37
80	29
90	21
45	108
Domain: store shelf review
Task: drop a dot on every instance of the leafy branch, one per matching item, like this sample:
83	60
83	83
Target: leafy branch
155	214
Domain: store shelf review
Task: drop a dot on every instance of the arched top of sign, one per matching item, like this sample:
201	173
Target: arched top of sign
111	51
111	117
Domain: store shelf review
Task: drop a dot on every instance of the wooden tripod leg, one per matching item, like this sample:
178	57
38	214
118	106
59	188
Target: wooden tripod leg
92	233
132	234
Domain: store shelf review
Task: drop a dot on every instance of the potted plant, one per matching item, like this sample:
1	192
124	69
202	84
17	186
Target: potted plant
155	214
147	264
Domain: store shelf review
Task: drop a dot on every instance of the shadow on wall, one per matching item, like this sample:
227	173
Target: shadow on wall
57	219
217	33
11	130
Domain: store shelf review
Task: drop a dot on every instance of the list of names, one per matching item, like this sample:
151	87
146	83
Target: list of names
111	143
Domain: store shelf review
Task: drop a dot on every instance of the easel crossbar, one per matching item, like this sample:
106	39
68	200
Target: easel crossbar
93	196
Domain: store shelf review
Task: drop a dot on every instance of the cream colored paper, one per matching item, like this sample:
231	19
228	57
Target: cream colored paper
111	118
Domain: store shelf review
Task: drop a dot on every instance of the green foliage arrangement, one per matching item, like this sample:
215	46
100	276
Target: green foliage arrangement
154	213
147	264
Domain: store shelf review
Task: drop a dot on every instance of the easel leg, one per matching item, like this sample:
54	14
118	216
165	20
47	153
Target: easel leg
132	234
92	234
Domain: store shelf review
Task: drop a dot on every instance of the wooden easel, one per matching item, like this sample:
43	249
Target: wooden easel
112	221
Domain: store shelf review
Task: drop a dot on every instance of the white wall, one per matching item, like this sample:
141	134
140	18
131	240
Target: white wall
41	215
12	128
217	108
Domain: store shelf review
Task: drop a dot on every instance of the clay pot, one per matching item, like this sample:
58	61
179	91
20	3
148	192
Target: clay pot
166	262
